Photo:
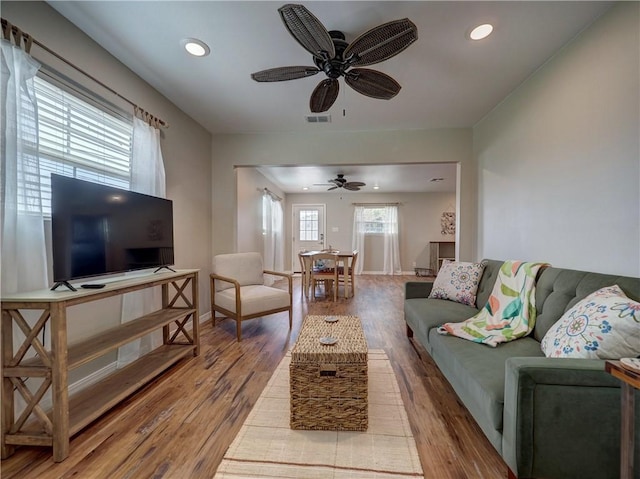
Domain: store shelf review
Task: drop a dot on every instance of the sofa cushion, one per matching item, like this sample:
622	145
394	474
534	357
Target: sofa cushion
604	325
457	281
477	374
424	314
489	275
558	289
255	299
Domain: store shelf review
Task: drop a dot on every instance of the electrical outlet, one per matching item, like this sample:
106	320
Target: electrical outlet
414	264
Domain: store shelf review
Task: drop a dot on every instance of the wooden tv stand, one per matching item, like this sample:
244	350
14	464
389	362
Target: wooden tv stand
51	363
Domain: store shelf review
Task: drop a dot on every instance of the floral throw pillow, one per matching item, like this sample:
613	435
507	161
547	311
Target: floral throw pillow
604	325
457	281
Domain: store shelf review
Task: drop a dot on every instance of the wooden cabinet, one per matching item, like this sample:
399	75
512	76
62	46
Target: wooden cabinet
36	426
438	252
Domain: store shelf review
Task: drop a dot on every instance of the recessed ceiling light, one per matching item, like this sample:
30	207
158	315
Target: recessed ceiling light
481	31
376	187
305	188
196	47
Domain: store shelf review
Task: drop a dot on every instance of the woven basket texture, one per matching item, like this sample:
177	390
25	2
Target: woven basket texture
328	384
351	346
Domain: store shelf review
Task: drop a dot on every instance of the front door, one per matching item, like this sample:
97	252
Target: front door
308	231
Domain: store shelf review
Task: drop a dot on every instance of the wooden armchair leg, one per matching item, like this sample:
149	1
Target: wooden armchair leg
239	329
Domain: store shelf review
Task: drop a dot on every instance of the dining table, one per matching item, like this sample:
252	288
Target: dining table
344	257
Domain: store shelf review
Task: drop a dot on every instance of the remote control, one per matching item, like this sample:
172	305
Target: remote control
92	286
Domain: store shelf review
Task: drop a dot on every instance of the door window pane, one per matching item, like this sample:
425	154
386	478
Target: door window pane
308	223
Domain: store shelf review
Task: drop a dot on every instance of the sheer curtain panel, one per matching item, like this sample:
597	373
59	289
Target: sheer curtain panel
359	230
23	253
391	242
272	230
148	177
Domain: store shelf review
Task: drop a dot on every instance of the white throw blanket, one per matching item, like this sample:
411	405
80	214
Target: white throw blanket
510	312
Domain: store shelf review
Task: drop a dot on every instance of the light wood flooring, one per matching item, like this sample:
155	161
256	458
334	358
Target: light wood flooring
179	426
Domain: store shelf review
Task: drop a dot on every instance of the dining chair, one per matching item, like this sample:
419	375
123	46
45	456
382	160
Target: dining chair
347	274
238	290
324	268
304	275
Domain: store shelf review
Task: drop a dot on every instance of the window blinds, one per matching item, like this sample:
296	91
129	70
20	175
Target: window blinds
80	140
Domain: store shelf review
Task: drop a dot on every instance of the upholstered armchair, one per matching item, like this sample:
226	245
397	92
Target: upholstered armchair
238	289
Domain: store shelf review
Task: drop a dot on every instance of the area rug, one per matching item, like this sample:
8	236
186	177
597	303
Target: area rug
266	447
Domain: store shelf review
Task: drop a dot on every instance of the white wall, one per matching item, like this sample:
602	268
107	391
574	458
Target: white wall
418	218
250	186
559	159
186	148
340	148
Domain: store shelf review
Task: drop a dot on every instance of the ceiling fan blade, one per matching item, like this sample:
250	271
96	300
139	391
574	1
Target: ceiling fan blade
324	95
332	188
372	83
307	30
351	187
355	184
382	42
284	73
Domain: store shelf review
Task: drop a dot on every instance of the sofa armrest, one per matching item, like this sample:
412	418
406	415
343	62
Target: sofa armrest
417	289
561	418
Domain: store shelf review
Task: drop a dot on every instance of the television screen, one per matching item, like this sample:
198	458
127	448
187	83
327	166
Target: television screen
98	229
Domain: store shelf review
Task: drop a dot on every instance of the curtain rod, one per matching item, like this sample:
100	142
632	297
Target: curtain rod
270	193
19	35
376	204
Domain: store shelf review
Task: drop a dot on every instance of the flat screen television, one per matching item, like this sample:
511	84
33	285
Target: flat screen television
99	230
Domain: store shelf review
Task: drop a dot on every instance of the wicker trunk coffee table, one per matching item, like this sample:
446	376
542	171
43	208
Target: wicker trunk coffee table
328	382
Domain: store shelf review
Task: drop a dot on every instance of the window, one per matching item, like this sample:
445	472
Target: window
80	140
374	220
309	222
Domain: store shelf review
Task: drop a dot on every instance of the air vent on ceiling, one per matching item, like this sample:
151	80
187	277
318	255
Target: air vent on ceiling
318	119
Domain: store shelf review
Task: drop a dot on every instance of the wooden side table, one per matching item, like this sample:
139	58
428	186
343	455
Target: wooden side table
630	382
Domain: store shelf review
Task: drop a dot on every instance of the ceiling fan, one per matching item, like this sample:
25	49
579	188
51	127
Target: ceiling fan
335	57
341	182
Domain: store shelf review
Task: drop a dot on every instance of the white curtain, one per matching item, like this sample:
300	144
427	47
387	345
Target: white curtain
391	243
148	177
357	242
23	252
273	235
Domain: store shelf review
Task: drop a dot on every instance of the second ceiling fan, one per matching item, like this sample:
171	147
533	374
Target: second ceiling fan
335	57
341	182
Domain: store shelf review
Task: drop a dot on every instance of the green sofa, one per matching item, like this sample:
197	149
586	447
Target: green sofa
548	418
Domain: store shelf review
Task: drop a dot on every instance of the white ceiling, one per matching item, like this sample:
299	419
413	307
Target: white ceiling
414	178
447	80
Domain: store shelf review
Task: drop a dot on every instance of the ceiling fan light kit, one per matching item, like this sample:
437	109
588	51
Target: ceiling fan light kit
335	57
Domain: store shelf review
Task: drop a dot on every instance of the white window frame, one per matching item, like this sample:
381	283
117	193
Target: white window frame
374	227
